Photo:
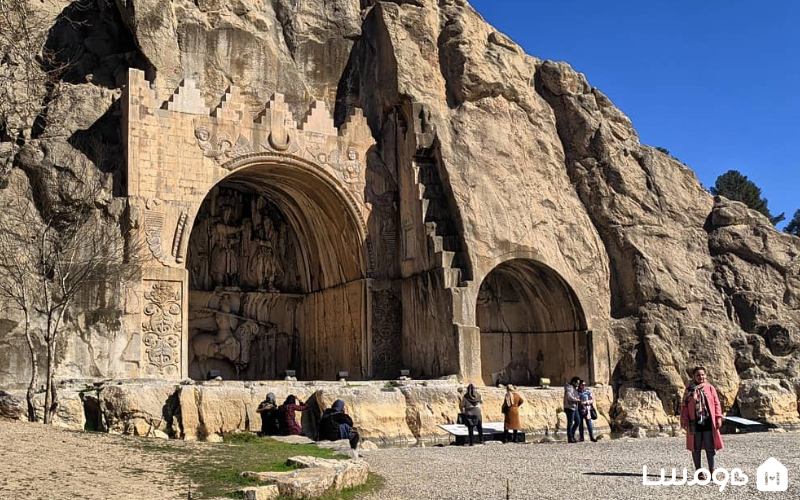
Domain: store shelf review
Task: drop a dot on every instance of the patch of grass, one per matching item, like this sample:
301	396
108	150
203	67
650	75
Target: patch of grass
215	469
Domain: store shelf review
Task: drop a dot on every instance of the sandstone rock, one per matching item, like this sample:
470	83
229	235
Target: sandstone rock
11	408
69	412
637	432
159	434
639	410
349	473
301	483
367	445
260	492
214	438
148	405
376	412
294	439
770	401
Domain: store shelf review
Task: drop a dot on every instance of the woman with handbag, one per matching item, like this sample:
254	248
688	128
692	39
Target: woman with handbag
510	409
701	416
587	410
471	413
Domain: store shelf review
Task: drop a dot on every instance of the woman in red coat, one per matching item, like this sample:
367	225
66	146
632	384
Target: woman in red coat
701	416
286	416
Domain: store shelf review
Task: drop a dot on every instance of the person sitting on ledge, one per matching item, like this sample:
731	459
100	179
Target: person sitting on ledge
286	416
268	409
335	424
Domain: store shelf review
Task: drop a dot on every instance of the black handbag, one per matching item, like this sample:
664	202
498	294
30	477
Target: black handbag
461	419
593	413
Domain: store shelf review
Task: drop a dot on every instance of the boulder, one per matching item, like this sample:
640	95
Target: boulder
260	492
138	407
770	401
11	407
638	409
69	412
300	483
367	445
348	473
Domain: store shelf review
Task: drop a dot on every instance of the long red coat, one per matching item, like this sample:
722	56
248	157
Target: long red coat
687	414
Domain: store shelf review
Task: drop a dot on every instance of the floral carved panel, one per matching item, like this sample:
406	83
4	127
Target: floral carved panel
162	320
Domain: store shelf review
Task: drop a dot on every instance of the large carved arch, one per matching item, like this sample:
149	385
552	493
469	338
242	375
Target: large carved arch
532	325
288	179
179	152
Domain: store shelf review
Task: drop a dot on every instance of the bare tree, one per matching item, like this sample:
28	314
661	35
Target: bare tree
29	72
49	257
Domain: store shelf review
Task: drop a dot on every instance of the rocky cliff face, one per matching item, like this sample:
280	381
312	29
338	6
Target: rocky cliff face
671	277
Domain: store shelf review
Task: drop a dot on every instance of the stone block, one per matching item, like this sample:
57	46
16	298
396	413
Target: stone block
348	473
260	492
302	483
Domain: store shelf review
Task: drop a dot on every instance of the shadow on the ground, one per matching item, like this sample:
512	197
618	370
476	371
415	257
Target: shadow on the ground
618	474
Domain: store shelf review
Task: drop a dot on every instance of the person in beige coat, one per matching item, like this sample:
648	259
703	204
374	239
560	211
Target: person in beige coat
511	405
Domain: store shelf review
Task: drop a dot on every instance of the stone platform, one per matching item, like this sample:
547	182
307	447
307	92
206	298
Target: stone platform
385	412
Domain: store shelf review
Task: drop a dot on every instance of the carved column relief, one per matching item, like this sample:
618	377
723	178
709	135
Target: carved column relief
386	334
161	328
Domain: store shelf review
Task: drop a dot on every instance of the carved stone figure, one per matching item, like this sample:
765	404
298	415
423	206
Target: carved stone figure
230	342
226	239
264	262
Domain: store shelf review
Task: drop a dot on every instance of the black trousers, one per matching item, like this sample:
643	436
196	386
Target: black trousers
354	439
471	425
704	440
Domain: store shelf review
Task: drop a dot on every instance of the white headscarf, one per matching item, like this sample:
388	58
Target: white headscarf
510	391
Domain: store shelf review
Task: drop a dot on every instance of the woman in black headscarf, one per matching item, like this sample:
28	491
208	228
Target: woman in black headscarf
269	416
471	408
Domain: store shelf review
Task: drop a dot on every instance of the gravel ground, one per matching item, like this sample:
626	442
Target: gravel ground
42	462
604	470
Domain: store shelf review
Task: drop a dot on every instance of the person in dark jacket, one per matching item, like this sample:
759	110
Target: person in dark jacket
471	408
268	409
335	424
286	416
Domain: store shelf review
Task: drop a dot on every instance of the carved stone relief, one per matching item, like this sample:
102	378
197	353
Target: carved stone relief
181	233
241	241
243	335
386	334
221	146
161	328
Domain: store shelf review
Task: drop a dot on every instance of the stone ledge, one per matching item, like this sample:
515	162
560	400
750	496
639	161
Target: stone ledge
268	492
315	477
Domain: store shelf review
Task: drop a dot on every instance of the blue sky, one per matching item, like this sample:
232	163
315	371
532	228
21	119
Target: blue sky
715	82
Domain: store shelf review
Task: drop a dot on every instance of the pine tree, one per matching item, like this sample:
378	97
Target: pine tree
735	186
794	225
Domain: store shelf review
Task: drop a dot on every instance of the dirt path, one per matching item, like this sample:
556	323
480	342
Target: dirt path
42	462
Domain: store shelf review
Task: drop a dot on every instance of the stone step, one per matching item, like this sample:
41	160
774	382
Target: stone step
436	243
421	192
424	202
445	259
452	277
430	228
